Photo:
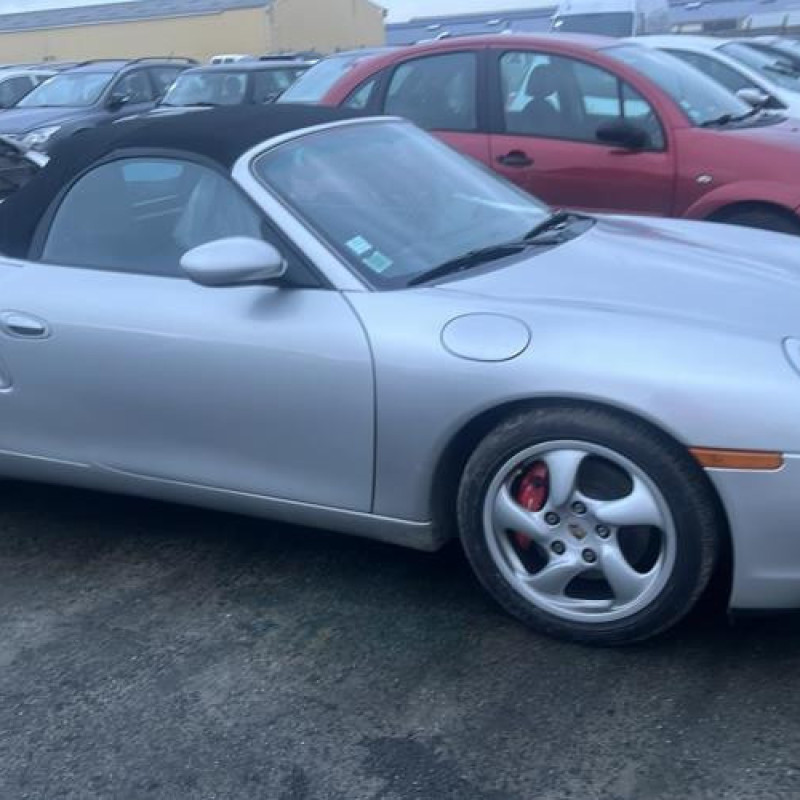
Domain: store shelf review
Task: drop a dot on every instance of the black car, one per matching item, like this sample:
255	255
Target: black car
240	83
86	95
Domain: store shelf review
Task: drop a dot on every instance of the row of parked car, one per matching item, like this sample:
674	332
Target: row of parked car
684	126
44	103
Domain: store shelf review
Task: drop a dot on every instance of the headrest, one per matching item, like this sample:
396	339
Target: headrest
543	81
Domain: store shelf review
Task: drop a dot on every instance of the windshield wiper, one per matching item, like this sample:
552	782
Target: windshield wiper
726	119
781	68
554	222
473	258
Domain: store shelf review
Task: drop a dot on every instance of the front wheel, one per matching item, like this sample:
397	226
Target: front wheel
587	524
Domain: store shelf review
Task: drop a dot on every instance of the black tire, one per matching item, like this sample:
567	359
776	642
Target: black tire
763	218
695	511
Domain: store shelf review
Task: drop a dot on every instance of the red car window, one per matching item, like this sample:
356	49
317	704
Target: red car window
436	92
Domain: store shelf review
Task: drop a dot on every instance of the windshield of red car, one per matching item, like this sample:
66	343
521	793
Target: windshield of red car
701	98
315	83
393	201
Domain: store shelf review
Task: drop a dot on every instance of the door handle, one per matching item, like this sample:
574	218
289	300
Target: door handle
516	158
23	325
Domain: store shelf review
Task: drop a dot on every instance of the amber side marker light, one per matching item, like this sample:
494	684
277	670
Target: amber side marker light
737	459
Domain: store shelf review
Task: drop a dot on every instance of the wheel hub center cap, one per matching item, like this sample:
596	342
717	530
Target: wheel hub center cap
576	530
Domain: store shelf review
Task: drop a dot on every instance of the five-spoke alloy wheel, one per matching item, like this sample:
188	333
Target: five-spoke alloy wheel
588	524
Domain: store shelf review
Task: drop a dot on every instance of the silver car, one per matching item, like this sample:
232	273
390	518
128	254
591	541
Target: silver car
338	321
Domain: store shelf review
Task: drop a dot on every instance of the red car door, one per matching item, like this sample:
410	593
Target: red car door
546	113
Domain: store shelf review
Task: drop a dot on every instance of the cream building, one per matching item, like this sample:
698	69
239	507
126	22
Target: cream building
196	28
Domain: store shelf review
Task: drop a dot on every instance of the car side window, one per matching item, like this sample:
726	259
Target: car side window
731	79
164	77
141	215
436	92
360	98
606	98
14	89
135	87
270	84
563	98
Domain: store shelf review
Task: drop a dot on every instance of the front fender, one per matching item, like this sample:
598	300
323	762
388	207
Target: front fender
685	378
771	193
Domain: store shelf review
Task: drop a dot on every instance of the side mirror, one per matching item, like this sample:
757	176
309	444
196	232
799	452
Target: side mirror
117	101
236	261
620	133
754	97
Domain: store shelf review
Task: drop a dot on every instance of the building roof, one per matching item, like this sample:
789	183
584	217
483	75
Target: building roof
220	135
131	10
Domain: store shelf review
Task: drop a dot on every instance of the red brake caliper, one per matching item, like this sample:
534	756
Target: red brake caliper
531	493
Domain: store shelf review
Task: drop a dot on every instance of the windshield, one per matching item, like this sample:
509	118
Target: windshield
208	88
787	46
68	89
772	66
619	23
393	201
702	99
314	84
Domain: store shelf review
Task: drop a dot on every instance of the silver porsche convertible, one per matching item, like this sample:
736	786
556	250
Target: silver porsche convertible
337	321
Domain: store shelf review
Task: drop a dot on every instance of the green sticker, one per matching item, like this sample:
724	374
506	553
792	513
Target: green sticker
378	262
359	245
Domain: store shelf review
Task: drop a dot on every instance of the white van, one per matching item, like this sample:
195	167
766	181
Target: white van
231	58
612	17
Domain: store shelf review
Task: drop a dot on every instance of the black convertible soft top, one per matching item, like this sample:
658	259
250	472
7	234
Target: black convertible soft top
221	135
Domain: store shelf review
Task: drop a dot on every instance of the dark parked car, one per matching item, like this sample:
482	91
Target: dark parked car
241	83
591	123
87	95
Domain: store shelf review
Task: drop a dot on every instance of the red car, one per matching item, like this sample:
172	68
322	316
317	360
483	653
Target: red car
592	123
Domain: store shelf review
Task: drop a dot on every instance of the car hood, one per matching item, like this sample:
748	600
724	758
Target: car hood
23	120
708	274
784	134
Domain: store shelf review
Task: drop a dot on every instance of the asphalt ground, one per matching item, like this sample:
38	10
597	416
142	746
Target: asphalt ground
154	651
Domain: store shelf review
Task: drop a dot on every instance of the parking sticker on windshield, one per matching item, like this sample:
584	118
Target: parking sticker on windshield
359	245
378	262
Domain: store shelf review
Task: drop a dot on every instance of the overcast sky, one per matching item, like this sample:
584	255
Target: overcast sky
398	9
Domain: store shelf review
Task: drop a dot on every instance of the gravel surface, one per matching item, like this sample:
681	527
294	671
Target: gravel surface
153	651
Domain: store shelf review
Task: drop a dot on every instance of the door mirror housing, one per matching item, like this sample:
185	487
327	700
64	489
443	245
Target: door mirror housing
117	101
754	97
621	133
235	261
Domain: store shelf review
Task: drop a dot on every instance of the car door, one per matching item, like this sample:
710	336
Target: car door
113	361
440	94
546	112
